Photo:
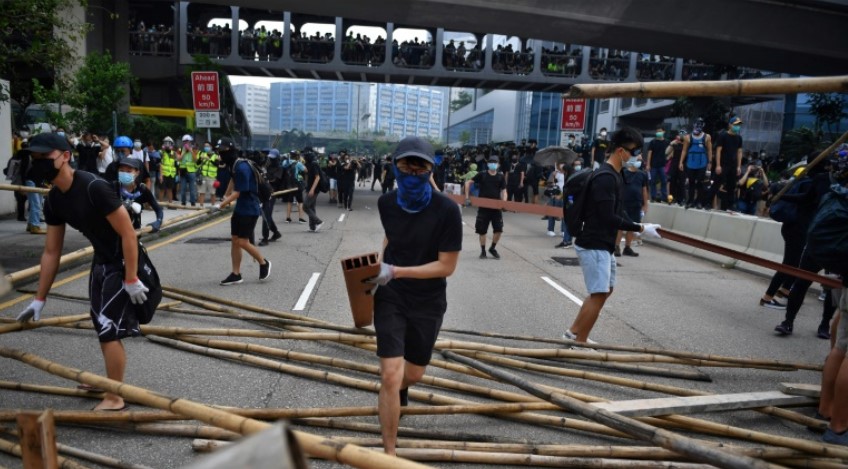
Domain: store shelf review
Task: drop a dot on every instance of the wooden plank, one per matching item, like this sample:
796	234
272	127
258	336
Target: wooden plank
699	404
801	389
30	440
47	429
517	207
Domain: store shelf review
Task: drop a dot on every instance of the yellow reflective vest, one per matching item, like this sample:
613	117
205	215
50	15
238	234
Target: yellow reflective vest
188	163
208	164
169	165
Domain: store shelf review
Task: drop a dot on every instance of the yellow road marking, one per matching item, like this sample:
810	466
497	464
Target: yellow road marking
80	275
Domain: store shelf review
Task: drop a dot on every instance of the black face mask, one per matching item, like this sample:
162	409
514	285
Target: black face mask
42	170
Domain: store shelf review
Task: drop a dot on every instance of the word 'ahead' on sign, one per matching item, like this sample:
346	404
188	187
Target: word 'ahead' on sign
573	114
204	90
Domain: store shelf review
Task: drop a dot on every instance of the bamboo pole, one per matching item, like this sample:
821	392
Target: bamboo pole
655	351
8	447
181	207
17	188
228	332
692	375
818	159
24	274
54	390
311	444
22	326
373	386
468	457
670	89
635	428
376	429
97	458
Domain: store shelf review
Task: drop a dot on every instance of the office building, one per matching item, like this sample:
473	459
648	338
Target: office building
254	101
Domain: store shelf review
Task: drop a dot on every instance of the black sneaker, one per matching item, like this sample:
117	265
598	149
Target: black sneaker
494	253
772	303
563	245
265	270
823	332
301	220
404	397
783	329
288	220
232	279
263	242
617	252
629	252
276	236
482	254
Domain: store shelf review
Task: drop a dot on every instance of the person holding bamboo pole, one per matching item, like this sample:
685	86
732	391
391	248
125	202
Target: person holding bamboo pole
92	206
423	238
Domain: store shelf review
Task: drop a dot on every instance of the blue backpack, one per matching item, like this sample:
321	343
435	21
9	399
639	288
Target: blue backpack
785	211
827	237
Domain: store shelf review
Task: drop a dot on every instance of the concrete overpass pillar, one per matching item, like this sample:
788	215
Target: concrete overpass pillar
490	48
439	42
234	37
337	47
390	32
584	68
287	33
678	69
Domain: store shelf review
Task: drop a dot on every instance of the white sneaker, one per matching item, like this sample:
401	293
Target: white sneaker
551	234
568	335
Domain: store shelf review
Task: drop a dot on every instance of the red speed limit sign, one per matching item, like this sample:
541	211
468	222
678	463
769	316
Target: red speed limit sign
573	114
204	91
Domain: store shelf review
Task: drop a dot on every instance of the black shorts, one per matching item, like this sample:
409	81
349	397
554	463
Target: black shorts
533	185
634	213
407	328
111	311
243	226
486	216
167	182
293	196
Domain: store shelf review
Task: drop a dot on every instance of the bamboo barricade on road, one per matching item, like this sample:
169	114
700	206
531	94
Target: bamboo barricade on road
30	272
673	89
17	188
14	449
90	456
267	320
52	390
634	428
312	444
19	326
691	374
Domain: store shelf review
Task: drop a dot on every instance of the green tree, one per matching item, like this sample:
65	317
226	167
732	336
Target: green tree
828	109
463	99
98	89
800	142
36	40
150	128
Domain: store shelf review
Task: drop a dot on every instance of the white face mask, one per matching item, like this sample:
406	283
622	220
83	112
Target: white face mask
603	133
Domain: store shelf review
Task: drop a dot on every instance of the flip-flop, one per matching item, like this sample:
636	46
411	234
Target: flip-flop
89	388
125	407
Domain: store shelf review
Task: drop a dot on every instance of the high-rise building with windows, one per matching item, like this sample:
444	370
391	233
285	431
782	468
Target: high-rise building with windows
400	110
254	101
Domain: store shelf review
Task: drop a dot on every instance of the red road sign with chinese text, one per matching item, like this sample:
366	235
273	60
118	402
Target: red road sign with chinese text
573	114
204	91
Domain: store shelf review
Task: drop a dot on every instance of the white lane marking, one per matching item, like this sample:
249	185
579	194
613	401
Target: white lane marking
307	291
562	290
341	217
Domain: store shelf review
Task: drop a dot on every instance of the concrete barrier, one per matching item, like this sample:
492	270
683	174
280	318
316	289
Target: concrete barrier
756	236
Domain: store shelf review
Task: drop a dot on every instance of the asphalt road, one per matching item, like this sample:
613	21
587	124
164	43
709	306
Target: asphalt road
663	299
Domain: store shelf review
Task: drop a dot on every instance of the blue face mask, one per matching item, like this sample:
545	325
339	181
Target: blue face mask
736	128
413	191
493	166
207	149
126	178
634	162
578	168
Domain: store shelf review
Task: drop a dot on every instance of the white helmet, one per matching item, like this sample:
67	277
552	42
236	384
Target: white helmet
168	140
187	138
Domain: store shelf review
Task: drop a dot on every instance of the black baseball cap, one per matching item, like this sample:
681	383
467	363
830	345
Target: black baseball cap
47	142
225	142
131	162
414	146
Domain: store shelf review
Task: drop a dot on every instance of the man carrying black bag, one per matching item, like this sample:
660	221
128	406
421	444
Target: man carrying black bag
92	206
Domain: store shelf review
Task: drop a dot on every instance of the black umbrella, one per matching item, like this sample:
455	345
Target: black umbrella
551	156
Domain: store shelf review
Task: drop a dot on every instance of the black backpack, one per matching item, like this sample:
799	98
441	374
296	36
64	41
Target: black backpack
827	237
150	278
785	211
265	189
324	183
574	200
289	178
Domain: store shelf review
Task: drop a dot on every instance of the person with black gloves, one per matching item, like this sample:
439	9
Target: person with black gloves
92	206
135	194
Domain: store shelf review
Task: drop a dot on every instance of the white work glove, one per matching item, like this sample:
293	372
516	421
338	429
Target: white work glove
33	311
216	208
650	230
136	207
387	273
136	290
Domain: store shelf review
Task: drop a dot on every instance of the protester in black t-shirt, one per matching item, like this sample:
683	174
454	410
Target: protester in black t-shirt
602	219
90	205
388	175
346	175
423	238
515	179
676	177
491	184
655	166
634	197
313	178
729	162
87	152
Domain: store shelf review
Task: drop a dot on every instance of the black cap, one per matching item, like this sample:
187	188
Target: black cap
47	142
225	142
494	159
131	162
414	146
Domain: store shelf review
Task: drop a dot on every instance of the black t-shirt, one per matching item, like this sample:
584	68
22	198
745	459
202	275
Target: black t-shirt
347	176
603	211
418	238
657	148
490	185
88	157
730	144
676	152
390	173
85	207
599	150
514	176
634	182
312	171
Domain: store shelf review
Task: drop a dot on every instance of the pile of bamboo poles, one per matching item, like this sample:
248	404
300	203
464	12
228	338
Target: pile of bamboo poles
678	441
